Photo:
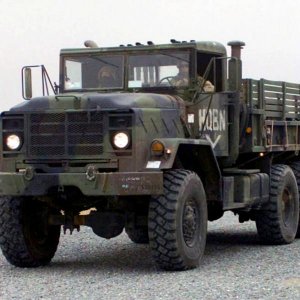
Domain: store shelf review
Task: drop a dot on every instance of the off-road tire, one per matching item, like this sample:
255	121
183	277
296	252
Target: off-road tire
277	222
296	168
26	239
138	235
178	221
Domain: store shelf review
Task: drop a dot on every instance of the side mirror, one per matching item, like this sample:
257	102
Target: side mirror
27	88
26	83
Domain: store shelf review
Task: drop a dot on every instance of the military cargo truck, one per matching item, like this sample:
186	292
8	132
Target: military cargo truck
156	140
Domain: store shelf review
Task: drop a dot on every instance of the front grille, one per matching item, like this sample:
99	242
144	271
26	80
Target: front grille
65	134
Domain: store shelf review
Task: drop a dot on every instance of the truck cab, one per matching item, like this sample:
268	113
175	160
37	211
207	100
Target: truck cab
141	67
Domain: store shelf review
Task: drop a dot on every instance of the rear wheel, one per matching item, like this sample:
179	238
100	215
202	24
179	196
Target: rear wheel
26	238
277	222
296	168
178	221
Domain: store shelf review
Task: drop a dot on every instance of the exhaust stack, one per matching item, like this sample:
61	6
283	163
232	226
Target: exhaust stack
236	47
235	66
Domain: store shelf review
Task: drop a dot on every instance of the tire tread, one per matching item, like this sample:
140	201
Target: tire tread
12	241
268	219
162	227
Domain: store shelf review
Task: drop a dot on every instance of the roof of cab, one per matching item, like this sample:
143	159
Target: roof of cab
203	46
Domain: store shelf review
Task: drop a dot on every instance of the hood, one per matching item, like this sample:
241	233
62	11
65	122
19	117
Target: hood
92	101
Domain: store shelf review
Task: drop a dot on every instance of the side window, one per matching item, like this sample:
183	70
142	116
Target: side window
211	70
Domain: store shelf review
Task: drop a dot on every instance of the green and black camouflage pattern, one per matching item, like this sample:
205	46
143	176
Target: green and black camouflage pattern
51	167
67	137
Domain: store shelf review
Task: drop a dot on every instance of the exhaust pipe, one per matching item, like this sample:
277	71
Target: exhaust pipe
236	47
235	86
235	66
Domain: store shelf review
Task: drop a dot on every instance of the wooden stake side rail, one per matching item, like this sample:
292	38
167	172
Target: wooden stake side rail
274	115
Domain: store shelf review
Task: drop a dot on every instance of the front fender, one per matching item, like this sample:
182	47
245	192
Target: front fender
184	148
191	154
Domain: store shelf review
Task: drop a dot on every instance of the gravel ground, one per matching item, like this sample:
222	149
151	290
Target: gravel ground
235	266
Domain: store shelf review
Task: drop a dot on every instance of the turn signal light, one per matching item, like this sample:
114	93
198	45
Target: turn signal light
157	148
248	130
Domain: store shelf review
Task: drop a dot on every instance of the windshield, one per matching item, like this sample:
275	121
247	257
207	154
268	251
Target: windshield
158	69
163	69
94	72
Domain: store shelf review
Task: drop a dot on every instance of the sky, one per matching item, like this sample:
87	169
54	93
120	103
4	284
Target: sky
33	32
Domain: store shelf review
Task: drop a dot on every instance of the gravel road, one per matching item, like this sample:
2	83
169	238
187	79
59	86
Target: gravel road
235	266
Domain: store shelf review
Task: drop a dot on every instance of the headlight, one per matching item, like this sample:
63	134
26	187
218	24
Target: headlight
120	140
13	142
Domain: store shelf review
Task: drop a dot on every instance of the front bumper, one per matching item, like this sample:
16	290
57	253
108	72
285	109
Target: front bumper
100	184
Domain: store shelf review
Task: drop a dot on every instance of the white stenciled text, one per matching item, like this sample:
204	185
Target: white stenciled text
214	119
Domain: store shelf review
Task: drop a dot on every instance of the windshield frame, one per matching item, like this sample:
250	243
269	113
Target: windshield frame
125	54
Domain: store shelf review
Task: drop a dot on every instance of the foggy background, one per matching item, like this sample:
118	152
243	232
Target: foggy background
34	31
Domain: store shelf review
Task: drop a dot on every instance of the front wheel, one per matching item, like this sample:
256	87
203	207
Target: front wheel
178	221
26	238
277	222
